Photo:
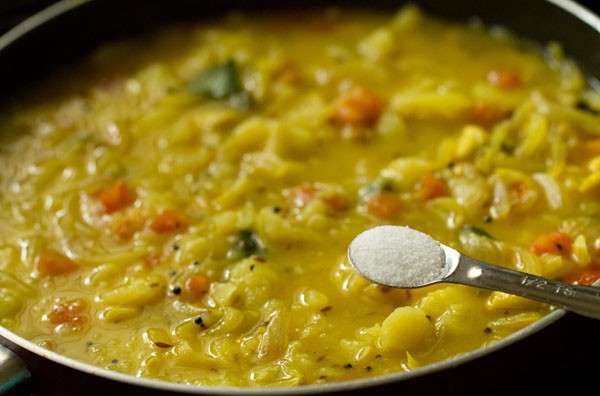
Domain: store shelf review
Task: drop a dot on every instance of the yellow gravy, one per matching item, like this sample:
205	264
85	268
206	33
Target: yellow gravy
178	207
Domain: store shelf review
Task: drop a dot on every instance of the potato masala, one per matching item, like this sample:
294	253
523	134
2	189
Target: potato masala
178	206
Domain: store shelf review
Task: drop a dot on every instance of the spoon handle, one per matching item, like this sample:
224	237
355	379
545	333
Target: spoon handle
584	300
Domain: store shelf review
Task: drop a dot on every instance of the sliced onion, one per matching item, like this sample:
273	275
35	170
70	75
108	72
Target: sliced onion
551	189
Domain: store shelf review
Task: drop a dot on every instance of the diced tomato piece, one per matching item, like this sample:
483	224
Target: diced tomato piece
151	260
520	192
116	197
126	227
289	73
68	312
300	196
504	79
431	187
384	205
169	221
196	286
52	263
592	147
358	106
325	23
585	276
486	114
336	202
556	242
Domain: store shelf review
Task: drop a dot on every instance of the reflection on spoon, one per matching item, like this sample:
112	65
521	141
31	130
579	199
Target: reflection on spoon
402	257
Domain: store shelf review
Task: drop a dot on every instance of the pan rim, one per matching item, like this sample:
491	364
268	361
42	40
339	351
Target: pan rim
12	37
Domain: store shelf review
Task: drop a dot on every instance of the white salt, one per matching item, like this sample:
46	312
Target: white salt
397	256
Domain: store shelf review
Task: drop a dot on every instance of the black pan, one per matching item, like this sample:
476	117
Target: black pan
557	353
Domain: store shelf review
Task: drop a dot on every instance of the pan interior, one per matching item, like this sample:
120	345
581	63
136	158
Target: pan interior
248	239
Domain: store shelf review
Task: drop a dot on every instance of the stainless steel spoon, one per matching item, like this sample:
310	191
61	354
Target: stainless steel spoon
380	253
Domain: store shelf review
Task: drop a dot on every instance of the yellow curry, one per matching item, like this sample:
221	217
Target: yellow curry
178	206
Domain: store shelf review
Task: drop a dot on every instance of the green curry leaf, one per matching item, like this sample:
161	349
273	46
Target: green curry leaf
218	82
477	231
247	243
378	185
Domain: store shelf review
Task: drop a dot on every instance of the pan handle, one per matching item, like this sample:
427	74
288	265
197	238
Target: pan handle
14	375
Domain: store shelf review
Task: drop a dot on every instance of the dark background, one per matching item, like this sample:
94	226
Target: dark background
563	358
13	11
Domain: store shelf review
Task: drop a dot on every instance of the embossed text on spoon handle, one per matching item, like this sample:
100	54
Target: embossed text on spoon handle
584	300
